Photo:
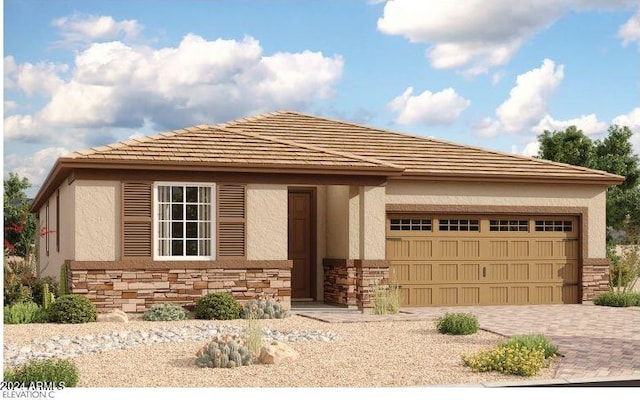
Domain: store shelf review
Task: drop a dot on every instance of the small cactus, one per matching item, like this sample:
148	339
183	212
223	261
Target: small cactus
224	352
47	297
264	307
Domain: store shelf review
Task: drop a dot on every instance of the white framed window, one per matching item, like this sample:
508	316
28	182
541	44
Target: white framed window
184	221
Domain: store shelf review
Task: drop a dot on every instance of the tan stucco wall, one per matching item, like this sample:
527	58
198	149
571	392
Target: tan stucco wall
267	222
321	235
97	220
337	217
372	220
50	265
510	194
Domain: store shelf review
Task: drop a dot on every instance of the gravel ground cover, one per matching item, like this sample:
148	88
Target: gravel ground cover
358	354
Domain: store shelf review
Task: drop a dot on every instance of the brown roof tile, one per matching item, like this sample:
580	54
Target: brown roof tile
420	156
213	145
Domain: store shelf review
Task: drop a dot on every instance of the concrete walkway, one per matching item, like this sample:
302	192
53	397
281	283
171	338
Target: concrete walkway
596	342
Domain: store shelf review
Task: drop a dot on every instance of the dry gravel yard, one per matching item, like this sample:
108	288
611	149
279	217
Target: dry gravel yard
367	354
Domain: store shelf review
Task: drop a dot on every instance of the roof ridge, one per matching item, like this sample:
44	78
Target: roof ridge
458	145
311	147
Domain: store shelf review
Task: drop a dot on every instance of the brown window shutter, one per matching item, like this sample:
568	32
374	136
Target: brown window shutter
137	222
231	206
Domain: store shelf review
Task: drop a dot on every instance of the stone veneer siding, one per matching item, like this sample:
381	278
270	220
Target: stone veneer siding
136	289
348	282
595	279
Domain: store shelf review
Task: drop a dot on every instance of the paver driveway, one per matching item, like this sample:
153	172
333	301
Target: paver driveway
596	341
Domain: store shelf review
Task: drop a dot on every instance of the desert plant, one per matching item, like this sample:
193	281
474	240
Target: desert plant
38	287
63	288
264	307
217	305
514	359
224	352
458	324
18	279
165	312
72	309
24	313
625	270
618	299
59	373
385	298
533	341
253	330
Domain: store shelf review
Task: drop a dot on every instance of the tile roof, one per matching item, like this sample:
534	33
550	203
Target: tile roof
217	146
287	140
420	156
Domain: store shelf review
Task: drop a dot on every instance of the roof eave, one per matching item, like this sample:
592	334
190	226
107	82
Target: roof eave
63	167
608	180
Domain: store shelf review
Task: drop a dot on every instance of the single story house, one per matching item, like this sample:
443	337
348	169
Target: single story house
310	208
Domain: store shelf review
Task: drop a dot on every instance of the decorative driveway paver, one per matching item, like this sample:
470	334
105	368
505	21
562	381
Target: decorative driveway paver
595	341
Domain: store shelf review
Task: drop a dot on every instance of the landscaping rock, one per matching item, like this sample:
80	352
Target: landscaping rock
113	316
277	353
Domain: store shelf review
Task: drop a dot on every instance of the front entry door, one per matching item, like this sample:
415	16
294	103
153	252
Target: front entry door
301	243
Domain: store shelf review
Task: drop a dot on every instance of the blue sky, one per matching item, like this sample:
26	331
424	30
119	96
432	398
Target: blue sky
493	74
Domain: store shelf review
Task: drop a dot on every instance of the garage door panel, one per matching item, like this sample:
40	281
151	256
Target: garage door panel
514	263
398	249
498	272
520	249
499	249
421	249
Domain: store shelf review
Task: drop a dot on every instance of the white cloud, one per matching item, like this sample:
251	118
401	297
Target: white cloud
531	149
632	120
588	124
488	128
22	127
80	28
471	33
34	168
527	102
9	105
630	31
476	35
440	108
115	85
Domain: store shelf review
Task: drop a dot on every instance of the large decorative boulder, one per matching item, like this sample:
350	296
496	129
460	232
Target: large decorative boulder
277	353
113	316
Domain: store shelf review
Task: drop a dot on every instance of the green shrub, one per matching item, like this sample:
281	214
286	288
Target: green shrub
532	342
165	312
224	352
217	305
458	324
24	313
264	307
72	309
618	299
513	359
56	372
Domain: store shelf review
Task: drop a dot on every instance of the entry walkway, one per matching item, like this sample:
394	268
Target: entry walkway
596	342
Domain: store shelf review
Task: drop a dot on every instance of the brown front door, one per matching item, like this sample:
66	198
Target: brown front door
301	242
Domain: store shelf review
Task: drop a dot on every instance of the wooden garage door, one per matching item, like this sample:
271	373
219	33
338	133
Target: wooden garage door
444	260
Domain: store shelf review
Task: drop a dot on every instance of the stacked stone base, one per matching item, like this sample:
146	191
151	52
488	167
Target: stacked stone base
137	289
595	280
349	282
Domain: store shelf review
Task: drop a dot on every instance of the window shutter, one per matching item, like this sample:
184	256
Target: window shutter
136	220
231	206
